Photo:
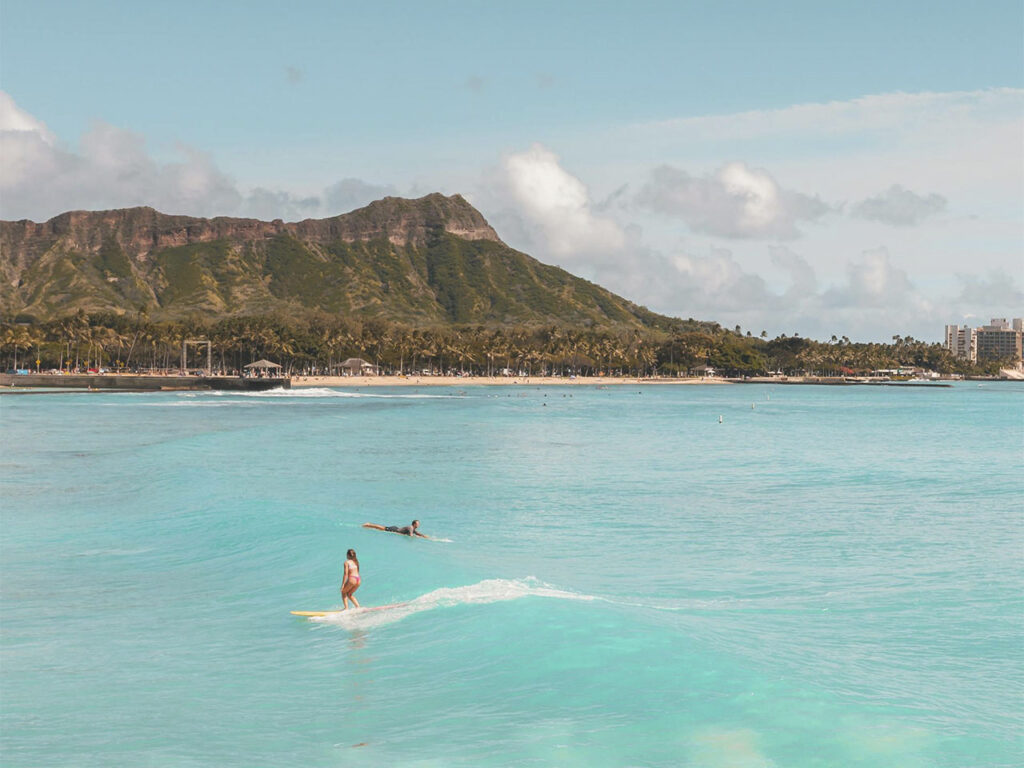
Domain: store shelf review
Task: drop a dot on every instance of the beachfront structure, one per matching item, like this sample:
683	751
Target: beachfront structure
356	366
263	368
960	341
999	339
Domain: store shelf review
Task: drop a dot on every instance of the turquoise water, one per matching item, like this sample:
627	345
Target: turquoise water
830	578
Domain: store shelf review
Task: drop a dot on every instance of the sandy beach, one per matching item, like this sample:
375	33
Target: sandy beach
474	381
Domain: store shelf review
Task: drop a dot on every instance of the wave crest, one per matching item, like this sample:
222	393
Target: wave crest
487	591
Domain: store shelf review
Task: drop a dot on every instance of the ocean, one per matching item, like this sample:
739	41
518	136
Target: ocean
717	576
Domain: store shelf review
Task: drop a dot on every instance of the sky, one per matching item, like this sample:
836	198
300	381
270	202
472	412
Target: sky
810	168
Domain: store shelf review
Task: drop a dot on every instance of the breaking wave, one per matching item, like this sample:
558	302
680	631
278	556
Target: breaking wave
488	591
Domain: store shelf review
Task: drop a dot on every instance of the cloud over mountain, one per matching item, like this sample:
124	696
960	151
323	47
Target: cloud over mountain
113	168
734	202
558	204
873	281
349	194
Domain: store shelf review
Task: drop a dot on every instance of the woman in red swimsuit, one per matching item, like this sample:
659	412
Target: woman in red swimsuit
350	581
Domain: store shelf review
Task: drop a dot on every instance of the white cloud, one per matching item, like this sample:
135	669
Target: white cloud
873	282
13	118
26	146
112	168
874	299
899	207
349	194
801	273
928	113
719	281
735	202
267	205
996	290
558	205
965	143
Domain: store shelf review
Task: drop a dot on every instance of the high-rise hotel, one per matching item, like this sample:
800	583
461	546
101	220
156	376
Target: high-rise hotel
997	340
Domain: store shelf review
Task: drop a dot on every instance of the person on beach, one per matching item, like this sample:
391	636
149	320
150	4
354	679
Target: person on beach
350	581
405	530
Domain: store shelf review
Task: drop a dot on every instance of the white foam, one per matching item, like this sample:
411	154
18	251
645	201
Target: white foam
489	591
190	404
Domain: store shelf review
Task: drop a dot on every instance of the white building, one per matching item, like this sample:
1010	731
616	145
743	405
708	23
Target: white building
1000	338
960	341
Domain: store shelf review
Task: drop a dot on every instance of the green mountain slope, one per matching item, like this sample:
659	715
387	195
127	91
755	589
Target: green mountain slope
434	261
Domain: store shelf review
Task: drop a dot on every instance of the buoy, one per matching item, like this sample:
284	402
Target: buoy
719	419
751	406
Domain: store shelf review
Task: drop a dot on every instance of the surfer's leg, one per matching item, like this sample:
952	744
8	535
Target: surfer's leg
352	595
374	526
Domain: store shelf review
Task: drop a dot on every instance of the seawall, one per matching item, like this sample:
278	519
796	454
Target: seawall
134	383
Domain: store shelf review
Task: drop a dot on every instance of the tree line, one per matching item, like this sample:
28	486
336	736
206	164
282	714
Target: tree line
132	342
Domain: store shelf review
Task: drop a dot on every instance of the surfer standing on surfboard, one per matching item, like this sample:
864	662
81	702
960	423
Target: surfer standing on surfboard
350	581
405	530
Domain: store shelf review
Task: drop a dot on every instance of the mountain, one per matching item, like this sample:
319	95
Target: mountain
433	260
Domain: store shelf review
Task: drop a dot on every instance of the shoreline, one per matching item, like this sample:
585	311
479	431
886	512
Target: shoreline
357	382
10	384
476	381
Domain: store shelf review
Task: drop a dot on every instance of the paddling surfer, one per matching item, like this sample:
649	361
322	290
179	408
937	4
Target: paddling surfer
351	580
405	530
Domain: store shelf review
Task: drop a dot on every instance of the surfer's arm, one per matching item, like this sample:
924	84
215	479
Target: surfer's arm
422	535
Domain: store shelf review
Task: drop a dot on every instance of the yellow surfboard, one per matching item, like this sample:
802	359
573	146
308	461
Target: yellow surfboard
315	614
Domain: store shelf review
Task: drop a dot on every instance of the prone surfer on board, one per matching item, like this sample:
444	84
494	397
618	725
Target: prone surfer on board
405	530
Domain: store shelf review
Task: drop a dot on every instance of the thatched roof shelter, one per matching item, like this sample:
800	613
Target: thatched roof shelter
262	365
356	365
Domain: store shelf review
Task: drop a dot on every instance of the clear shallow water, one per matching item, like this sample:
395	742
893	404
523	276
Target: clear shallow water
831	578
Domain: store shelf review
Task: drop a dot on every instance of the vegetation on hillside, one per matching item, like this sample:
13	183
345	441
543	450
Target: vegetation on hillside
444	280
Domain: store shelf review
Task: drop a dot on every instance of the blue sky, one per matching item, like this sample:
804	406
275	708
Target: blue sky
802	167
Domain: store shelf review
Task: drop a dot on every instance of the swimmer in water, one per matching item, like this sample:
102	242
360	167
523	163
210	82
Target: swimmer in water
351	580
405	530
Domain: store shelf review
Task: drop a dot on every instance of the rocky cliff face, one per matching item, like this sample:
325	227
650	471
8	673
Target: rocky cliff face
432	260
141	231
401	221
